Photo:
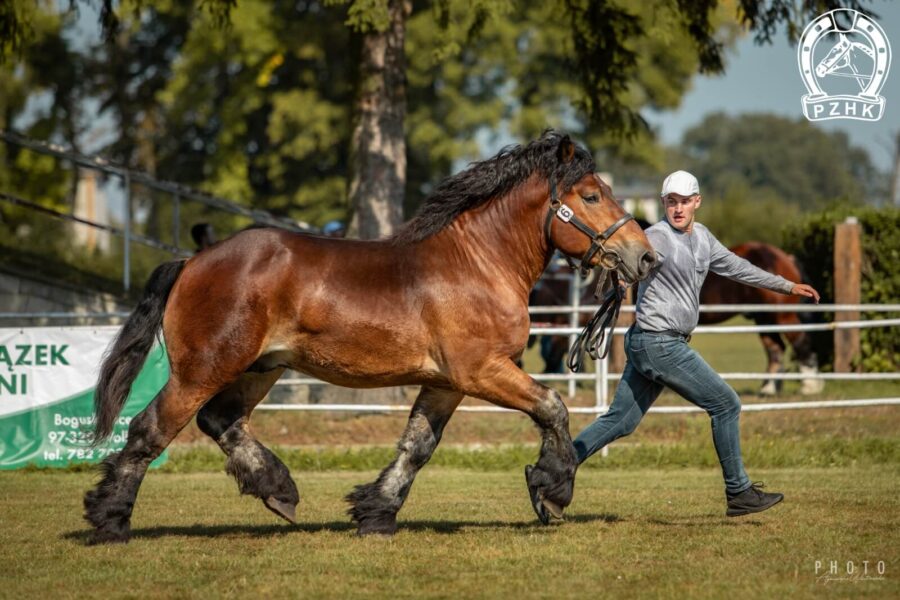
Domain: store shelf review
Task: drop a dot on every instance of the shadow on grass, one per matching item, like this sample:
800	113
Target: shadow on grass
450	527
706	521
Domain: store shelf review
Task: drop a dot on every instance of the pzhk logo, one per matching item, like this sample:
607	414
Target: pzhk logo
849	53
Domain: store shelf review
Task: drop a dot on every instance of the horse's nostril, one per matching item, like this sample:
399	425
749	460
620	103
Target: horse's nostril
648	259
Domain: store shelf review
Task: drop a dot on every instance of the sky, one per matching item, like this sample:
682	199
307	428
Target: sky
767	79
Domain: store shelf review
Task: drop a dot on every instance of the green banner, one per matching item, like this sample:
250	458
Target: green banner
41	426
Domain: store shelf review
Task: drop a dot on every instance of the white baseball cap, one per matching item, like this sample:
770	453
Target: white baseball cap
681	183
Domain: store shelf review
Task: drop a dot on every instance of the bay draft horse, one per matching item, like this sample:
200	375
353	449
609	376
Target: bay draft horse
719	290
443	303
553	290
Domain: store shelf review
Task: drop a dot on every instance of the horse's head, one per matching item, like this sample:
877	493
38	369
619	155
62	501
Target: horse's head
838	57
586	222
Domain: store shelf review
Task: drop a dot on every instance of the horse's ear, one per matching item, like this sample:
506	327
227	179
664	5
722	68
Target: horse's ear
566	150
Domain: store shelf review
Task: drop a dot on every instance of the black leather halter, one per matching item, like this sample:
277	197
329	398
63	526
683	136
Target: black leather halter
609	259
600	327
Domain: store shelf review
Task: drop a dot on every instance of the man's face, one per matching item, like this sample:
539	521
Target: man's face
680	210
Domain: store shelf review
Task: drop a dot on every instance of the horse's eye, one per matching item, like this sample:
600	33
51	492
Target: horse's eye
591	199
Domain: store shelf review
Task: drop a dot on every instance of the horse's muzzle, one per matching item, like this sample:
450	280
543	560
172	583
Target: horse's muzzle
646	263
636	262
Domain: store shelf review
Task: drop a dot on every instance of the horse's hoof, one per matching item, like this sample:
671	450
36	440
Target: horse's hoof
537	501
768	390
107	537
553	508
284	510
377	526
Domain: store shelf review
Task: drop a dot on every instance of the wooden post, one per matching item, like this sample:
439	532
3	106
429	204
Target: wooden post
847	267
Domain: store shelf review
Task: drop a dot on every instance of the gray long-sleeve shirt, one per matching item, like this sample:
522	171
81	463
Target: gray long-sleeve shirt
669	299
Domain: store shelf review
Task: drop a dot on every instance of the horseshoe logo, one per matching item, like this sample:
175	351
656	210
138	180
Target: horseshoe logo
856	48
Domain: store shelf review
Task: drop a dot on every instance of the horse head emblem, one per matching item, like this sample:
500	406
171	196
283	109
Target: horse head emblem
861	52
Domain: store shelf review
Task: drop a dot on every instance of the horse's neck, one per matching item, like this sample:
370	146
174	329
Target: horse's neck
505	237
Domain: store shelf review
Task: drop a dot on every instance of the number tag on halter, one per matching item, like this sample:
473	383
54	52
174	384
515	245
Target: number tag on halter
564	213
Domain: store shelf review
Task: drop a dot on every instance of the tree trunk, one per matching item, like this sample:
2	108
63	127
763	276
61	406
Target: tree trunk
378	159
378	162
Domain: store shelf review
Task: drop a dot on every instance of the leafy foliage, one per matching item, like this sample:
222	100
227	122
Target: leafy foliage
758	171
770	156
602	44
811	239
259	111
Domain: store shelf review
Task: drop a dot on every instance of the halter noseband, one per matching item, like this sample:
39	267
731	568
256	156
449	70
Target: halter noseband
608	258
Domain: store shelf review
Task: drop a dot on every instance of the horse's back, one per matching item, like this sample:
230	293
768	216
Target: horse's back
771	258
720	290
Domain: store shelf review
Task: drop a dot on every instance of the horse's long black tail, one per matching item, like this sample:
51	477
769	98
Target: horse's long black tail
123	361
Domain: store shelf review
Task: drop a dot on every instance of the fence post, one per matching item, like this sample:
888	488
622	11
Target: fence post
574	319
847	265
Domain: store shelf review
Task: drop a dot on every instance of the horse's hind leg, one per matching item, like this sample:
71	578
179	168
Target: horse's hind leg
801	342
375	505
226	419
775	353
108	507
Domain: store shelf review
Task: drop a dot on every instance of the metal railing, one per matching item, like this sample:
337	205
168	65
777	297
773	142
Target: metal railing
176	192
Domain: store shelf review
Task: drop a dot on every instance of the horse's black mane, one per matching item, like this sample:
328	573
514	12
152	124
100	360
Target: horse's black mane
495	177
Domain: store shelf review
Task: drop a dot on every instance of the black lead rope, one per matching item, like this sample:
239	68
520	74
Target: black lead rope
600	327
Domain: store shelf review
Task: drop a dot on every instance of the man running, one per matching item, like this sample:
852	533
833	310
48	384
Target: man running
656	346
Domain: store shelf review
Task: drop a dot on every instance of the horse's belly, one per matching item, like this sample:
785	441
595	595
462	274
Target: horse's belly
369	376
363	365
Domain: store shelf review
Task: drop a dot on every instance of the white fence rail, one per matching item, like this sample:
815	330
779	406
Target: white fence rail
737	308
601	377
745	328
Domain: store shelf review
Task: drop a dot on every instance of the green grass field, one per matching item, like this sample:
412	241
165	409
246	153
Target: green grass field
647	521
629	533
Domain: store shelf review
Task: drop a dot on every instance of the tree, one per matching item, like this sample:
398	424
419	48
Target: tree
45	71
597	64
789	160
758	172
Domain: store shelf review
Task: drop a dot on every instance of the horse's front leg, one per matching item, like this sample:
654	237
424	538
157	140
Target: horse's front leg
551	481
374	506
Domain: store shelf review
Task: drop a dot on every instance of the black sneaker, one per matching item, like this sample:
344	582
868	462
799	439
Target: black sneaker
751	500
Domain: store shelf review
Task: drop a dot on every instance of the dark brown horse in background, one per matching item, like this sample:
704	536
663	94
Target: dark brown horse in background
444	304
553	290
719	290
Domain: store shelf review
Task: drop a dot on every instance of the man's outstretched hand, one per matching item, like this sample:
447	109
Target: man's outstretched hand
801	289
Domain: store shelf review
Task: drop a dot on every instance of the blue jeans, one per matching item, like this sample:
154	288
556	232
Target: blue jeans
656	361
